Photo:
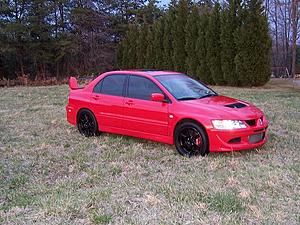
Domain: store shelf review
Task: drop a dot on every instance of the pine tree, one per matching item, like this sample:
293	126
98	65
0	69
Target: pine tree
40	37
179	53
229	23
191	31
125	55
142	46
119	56
158	43
203	71
213	42
253	46
168	38
150	53
132	49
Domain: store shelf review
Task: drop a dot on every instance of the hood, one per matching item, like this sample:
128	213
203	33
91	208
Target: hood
225	108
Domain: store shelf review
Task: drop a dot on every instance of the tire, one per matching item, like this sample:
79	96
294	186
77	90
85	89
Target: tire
191	139
87	123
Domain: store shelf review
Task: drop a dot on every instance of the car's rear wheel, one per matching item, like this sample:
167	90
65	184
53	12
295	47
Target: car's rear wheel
191	139
87	123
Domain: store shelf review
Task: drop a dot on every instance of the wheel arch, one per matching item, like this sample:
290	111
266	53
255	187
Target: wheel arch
184	120
81	109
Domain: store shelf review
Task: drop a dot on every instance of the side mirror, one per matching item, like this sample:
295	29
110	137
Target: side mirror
157	97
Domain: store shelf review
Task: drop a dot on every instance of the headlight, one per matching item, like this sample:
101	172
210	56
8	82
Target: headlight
228	124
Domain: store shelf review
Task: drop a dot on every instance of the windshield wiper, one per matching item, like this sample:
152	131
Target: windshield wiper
208	95
186	98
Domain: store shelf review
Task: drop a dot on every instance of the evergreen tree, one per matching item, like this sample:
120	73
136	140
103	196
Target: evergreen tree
150	54
191	31
253	46
132	49
150	12
14	38
119	56
229	23
168	37
142	46
179	53
158	44
213	45
40	38
125	51
203	71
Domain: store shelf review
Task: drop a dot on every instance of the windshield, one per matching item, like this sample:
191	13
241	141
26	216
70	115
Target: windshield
183	87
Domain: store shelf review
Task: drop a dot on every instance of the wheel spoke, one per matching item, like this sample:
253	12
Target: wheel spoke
182	135
189	140
86	125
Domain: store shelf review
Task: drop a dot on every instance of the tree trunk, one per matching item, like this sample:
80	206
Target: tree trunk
276	33
294	33
286	33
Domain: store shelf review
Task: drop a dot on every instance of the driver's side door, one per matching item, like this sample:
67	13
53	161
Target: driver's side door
140	113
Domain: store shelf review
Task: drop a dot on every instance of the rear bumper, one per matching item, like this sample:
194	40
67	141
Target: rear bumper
71	114
237	140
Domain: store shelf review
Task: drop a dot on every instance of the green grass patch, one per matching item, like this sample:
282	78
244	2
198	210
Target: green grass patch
116	170
16	199
101	219
225	203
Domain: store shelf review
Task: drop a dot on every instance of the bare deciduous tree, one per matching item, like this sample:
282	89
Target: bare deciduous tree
295	14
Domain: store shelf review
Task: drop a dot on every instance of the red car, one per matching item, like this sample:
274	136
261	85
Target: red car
167	107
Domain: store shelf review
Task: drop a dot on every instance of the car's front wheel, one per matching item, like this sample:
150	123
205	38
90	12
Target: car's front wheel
191	139
87	123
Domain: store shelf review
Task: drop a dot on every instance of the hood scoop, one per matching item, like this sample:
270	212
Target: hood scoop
236	105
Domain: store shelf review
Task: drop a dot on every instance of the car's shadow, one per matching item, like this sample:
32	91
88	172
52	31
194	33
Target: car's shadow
129	140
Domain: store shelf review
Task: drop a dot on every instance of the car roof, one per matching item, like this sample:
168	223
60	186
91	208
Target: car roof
145	72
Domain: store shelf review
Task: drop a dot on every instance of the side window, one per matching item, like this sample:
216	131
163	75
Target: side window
97	88
111	85
141	88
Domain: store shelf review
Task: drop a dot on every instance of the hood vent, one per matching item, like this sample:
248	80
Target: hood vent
237	105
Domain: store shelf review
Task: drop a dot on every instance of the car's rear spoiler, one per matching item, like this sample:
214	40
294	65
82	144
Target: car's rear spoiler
73	83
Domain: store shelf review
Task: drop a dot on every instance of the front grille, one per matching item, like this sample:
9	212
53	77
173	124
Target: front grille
251	122
255	138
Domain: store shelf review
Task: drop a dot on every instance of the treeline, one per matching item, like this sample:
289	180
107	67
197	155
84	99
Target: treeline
226	44
59	38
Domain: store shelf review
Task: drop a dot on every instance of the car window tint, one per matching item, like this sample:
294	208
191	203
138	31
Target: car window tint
113	85
97	88
142	88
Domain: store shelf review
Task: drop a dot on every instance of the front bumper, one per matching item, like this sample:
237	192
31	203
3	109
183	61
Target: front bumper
236	140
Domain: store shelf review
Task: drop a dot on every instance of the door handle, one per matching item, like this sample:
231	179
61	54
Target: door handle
96	97
130	102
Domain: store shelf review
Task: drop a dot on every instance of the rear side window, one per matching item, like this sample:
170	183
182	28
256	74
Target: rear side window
142	88
111	85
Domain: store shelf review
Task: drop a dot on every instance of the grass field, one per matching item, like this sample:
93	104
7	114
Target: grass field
50	174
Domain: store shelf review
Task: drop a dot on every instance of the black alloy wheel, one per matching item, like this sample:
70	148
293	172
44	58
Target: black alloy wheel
191	139
87	124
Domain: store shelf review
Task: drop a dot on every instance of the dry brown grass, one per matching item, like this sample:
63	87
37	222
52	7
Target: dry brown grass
51	175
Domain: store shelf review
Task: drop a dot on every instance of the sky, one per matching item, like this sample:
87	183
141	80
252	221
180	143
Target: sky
164	2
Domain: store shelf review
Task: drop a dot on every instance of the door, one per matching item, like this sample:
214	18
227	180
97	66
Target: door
140	113
107	99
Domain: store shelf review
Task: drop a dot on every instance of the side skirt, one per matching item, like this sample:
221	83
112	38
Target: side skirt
138	134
